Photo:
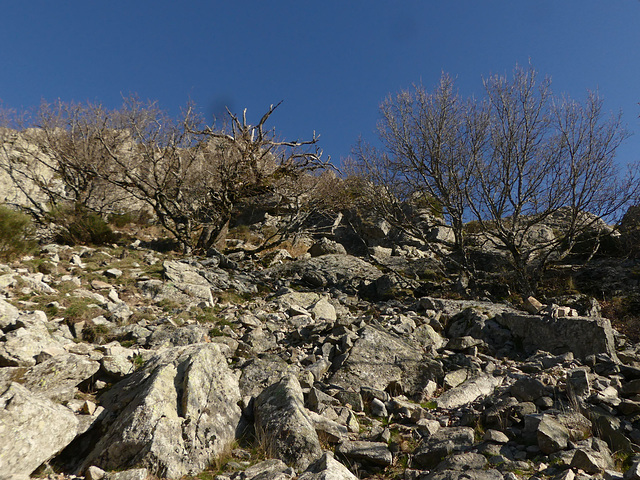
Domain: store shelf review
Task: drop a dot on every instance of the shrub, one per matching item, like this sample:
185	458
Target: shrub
76	225
16	233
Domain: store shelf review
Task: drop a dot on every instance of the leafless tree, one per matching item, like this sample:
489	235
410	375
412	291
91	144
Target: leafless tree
190	175
513	160
545	161
248	164
421	135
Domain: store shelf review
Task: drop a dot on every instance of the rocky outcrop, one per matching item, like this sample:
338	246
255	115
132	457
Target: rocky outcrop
326	358
172	416
581	336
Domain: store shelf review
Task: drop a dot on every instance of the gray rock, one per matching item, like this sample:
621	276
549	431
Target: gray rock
468	391
262	372
94	473
327	468
495	436
376	453
490	474
581	335
332	431
324	246
441	444
463	461
284	425
8	314
21	347
378	408
323	310
32	430
117	366
171	336
265	470
528	389
132	474
188	280
119	312
552	435
113	273
590	461
57	377
455	377
379	358
578	383
172	416
426	336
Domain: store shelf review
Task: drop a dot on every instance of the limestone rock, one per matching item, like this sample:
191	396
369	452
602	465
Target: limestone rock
327	468
285	425
173	416
379	358
32	430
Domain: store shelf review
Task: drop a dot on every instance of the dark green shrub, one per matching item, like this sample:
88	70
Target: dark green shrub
78	226
16	233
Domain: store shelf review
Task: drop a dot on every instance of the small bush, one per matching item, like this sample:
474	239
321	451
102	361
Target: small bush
78	226
16	233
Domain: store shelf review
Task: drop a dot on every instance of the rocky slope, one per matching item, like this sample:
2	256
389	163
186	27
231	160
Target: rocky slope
122	362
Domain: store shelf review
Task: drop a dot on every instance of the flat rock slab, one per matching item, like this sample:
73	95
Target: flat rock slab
32	430
468	391
581	335
376	453
379	358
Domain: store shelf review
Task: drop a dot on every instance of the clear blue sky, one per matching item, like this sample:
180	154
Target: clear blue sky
332	62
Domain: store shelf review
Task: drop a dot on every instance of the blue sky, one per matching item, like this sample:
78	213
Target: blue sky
331	62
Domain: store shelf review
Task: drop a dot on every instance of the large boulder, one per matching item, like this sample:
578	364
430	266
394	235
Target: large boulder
284	425
32	430
173	416
581	335
379	358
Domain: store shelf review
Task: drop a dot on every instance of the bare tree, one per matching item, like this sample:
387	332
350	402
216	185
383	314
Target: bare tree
427	141
249	164
513	160
190	175
546	161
